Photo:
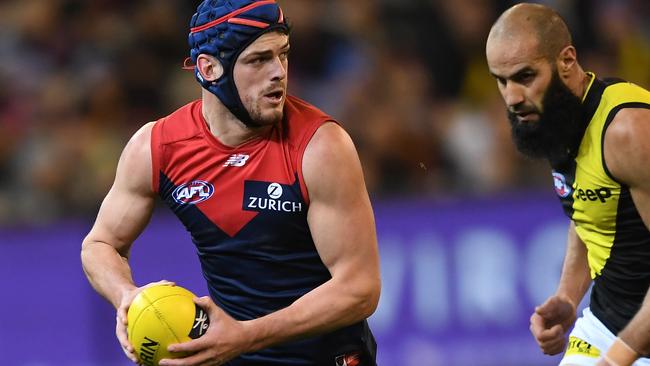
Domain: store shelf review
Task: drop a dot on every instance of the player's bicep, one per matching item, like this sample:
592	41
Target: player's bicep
340	215
127	207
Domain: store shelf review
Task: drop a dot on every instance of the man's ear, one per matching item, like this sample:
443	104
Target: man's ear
209	67
566	61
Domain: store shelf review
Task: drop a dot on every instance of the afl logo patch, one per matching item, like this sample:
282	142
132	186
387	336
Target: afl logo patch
193	192
561	188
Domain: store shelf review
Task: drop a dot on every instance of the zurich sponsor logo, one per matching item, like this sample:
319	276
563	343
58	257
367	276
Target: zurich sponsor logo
273	201
561	188
274	190
193	192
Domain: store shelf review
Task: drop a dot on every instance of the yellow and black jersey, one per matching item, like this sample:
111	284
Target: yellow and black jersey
606	219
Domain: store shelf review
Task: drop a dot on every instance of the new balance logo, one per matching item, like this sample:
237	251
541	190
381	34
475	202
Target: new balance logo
237	160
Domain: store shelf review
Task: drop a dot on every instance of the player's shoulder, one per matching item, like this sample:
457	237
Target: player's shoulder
139	144
302	120
331	166
626	147
629	125
619	94
162	131
628	116
181	124
297	108
330	144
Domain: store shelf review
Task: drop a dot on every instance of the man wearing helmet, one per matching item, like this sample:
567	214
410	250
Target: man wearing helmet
270	189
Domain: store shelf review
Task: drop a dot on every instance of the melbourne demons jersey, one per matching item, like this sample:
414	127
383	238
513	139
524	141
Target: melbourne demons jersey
605	217
246	210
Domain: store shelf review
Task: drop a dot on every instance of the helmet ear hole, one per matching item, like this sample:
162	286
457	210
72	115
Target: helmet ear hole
209	67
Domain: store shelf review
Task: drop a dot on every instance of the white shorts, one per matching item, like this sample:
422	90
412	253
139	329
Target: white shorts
588	340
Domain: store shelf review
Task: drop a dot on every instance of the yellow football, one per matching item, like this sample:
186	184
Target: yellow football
162	315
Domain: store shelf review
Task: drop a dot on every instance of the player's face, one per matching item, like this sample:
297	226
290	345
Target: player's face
522	75
261	77
542	111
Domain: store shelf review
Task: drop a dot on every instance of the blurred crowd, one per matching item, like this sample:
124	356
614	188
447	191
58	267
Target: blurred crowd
406	78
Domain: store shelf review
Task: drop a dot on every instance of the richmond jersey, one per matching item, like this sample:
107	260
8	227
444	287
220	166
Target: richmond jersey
606	219
246	210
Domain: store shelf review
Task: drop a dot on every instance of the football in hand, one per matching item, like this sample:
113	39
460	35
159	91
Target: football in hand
162	315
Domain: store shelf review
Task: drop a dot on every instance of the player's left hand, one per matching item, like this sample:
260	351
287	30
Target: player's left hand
224	340
550	322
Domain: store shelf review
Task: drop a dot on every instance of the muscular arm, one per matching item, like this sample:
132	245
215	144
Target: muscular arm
342	225
123	215
552	319
627	154
343	229
575	278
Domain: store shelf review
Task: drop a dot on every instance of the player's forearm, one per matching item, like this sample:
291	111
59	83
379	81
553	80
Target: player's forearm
107	271
333	305
637	333
575	278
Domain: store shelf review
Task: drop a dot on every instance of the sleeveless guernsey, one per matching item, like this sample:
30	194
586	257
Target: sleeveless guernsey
606	219
245	208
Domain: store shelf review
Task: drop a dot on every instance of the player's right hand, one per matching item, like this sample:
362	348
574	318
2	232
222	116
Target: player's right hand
550	322
121	321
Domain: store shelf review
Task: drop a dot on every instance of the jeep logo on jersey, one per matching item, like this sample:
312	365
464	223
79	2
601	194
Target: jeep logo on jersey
599	194
561	188
193	192
265	196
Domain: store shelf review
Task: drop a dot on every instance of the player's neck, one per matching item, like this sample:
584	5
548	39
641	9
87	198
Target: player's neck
229	130
581	84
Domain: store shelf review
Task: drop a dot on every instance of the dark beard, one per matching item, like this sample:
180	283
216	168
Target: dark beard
557	134
257	120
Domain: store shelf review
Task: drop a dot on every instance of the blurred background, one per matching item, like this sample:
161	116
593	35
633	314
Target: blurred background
471	235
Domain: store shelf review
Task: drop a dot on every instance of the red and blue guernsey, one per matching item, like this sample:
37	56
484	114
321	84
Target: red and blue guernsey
246	210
